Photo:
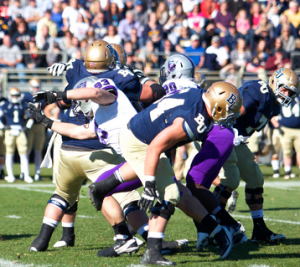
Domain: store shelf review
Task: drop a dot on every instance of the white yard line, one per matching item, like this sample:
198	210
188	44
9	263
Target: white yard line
6	263
266	219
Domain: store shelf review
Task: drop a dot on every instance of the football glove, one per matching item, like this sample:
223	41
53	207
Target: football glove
48	96
281	132
148	197
36	113
142	77
58	69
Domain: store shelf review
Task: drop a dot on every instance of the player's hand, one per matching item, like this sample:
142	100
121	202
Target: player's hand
36	113
49	97
281	132
142	77
58	69
148	197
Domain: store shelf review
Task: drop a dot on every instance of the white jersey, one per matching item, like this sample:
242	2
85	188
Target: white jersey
175	85
109	120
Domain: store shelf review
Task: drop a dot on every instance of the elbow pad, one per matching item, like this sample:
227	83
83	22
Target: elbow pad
157	91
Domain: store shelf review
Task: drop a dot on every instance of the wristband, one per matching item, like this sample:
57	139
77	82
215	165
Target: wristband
61	96
149	178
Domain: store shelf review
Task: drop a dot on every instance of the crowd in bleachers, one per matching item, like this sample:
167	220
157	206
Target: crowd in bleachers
254	34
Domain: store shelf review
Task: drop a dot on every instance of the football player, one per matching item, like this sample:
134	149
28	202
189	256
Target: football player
36	134
3	100
14	112
261	102
190	117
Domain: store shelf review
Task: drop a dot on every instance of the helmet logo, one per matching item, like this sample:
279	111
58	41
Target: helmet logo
110	48
231	101
279	73
92	64
172	66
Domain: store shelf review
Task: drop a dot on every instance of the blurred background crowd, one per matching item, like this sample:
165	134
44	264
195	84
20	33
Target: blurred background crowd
217	34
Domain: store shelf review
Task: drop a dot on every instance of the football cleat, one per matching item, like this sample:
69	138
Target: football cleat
28	179
2	175
276	174
202	241
153	256
37	177
65	242
169	247
122	245
139	241
10	179
260	235
224	240
38	245
232	201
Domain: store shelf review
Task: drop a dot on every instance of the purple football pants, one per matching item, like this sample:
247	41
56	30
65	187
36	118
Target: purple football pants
206	165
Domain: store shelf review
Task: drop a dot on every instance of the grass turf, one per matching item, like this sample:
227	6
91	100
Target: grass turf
22	209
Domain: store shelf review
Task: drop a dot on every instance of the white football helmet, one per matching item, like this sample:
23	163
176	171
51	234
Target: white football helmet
177	66
14	95
34	85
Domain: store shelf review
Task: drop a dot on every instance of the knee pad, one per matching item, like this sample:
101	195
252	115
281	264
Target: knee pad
165	210
73	209
253	192
59	202
221	192
157	91
130	207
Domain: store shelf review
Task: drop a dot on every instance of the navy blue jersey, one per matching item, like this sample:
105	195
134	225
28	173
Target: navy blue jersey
124	79
260	105
3	100
93	144
14	113
290	116
27	97
186	104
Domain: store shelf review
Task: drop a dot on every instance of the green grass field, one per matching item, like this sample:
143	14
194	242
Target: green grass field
22	209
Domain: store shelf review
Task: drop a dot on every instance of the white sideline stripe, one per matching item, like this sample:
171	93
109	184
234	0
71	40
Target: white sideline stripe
266	219
5	263
86	217
260	265
13	216
27	185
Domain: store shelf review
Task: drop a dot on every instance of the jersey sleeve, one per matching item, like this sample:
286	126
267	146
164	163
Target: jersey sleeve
75	68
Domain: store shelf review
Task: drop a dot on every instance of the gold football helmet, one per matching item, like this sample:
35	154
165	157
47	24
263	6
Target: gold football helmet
288	79
121	53
14	95
224	101
34	85
99	56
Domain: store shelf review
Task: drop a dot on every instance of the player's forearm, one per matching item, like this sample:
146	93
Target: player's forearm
72	130
151	160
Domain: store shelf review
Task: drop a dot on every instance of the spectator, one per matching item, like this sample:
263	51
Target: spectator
70	15
131	52
296	58
114	16
95	8
83	45
4	9
46	20
53	55
56	17
153	31
162	13
235	6
65	41
242	23
188	5
240	56
100	26
184	41
255	12
223	18
44	5
10	56
220	51
73	47
148	58
210	31
195	48
44	41
287	39
80	28
3	32
277	61
196	20
15	9
140	14
22	35
293	13
77	54
14	25
263	34
278	44
284	21
112	37
127	24
32	15
229	74
90	35
136	42
168	50
209	9
230	40
33	59
261	52
272	11
264	23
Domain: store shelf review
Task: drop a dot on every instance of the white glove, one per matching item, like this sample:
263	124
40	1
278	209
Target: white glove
58	69
238	139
